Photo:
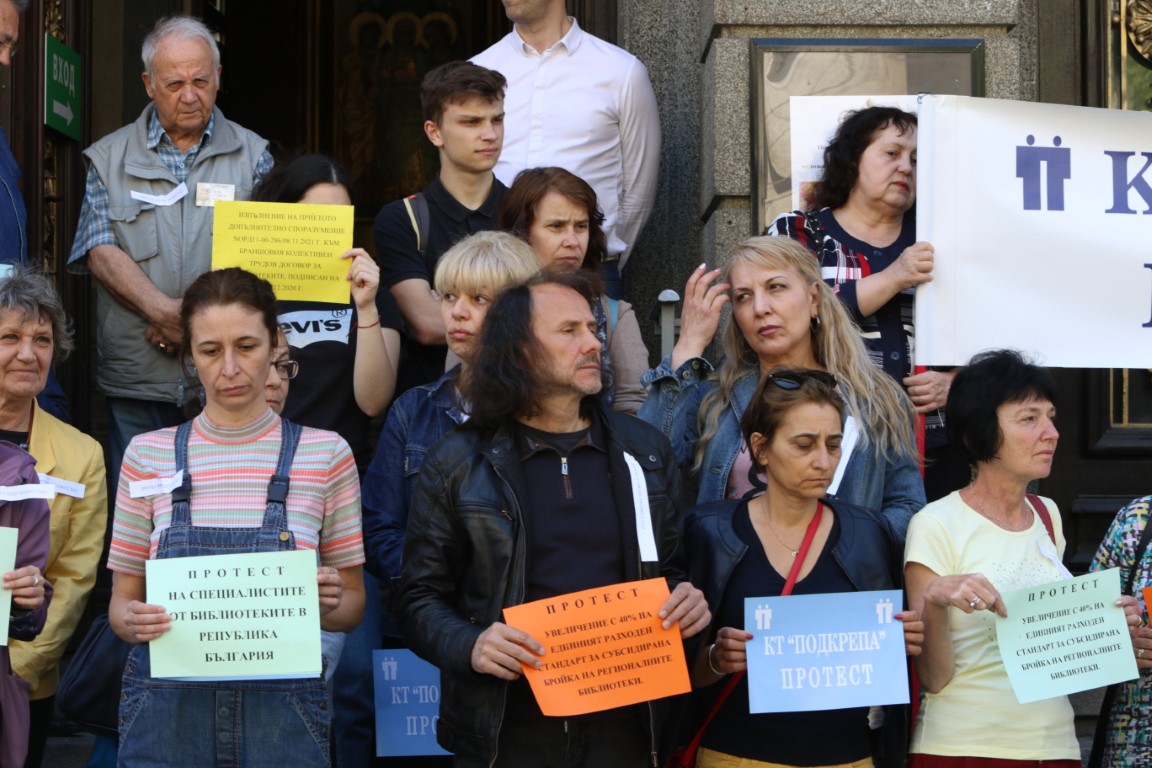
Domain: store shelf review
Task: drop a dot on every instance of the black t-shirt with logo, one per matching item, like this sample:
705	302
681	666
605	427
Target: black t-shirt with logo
322	338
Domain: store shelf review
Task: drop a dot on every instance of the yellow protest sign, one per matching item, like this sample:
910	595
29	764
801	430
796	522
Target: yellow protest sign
604	648
295	247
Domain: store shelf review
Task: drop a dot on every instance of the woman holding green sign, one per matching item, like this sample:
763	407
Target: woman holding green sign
966	548
232	459
791	539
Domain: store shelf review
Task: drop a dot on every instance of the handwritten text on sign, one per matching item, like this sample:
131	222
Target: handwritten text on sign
1065	637
295	247
605	648
244	616
832	651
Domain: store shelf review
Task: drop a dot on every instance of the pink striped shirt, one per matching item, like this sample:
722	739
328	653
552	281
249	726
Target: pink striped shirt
231	468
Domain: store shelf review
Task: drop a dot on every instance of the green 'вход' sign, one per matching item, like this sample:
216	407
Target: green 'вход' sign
61	87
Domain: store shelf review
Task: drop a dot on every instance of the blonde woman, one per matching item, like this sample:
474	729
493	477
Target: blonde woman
782	315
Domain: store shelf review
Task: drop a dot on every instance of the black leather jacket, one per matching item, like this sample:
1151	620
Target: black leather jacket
867	550
464	559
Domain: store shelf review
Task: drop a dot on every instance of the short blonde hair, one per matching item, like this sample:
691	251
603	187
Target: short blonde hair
485	263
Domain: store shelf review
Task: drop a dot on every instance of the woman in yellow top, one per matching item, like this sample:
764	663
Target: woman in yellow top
34	334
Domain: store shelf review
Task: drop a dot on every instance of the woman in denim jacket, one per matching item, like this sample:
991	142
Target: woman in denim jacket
469	276
782	315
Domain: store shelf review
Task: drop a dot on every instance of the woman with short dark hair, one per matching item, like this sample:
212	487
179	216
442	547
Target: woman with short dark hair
964	550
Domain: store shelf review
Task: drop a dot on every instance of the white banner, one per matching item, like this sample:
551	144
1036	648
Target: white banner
1041	216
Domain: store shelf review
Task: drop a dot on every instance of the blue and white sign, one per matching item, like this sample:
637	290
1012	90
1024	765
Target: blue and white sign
812	652
407	704
1040	215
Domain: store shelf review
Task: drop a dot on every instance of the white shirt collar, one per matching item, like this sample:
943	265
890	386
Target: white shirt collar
570	41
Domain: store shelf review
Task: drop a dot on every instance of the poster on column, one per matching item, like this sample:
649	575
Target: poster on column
246	616
604	648
828	651
295	247
1040	215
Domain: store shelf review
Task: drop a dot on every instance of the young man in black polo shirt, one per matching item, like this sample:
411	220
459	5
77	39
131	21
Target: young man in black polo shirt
464	118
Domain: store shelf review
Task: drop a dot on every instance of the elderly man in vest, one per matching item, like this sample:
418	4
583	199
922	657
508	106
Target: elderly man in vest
145	228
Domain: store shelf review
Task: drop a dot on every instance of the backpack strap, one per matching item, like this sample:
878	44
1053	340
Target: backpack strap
421	219
613	313
1045	516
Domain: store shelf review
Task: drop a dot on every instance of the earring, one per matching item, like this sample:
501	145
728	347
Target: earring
815	323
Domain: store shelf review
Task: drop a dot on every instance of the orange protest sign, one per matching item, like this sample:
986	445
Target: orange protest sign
1147	599
605	648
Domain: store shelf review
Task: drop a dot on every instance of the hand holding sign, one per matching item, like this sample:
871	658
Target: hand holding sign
730	652
914	266
330	585
27	587
501	649
145	621
913	632
607	647
364	275
687	607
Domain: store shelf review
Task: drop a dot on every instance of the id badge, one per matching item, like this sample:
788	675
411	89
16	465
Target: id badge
208	193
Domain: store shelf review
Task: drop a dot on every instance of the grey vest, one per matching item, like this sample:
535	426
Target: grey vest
171	244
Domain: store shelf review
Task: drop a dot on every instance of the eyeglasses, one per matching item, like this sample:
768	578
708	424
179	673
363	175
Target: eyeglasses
287	368
795	379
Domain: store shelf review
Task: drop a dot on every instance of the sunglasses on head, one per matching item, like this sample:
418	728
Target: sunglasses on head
791	380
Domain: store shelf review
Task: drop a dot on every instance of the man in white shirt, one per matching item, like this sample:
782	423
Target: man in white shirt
585	105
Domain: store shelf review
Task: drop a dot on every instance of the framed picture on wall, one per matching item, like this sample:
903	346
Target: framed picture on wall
783	68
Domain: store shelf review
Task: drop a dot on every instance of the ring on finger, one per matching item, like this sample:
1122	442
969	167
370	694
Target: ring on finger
1140	653
973	603
35	581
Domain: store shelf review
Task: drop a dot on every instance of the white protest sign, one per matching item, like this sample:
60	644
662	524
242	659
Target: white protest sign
1041	215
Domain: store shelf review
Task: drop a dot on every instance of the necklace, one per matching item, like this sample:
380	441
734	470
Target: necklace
999	520
768	519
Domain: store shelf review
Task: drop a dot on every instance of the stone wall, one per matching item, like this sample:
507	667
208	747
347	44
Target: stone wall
1007	27
697	53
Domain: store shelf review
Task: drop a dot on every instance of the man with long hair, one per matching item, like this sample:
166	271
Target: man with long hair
543	493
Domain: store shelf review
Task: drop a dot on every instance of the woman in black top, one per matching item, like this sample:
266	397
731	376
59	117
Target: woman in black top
739	549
